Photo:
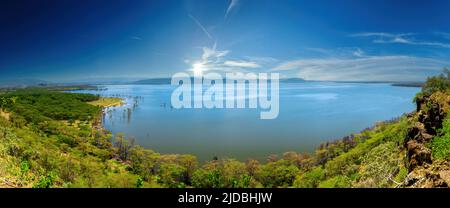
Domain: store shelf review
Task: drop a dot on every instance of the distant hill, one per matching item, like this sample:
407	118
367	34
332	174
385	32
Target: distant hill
408	84
22	82
292	80
393	83
154	81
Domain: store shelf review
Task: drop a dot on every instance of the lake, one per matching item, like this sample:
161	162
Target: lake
310	114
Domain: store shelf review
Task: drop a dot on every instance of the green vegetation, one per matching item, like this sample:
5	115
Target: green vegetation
434	84
40	105
41	147
441	143
107	102
53	139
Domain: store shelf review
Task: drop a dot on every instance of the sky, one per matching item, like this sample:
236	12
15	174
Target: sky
345	40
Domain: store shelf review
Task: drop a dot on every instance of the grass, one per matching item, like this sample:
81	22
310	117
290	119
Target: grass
4	114
107	102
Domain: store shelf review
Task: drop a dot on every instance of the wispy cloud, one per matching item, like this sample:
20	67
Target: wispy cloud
402	38
370	68
201	27
136	38
213	59
231	6
216	60
381	34
339	52
262	59
358	53
242	64
212	55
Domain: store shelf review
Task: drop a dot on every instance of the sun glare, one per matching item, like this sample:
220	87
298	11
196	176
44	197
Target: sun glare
197	68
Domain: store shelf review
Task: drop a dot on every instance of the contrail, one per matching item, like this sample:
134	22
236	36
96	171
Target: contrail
233	3
201	27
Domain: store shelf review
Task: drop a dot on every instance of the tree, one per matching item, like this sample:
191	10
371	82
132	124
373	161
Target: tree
437	83
123	146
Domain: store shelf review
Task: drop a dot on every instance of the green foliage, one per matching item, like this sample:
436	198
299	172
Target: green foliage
207	179
310	179
226	173
380	166
278	174
376	150
434	84
24	167
38	105
123	146
67	140
45	181
335	182
402	174
440	145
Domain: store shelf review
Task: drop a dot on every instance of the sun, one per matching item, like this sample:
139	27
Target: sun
197	68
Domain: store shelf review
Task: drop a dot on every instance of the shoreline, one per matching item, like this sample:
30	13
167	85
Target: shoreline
107	102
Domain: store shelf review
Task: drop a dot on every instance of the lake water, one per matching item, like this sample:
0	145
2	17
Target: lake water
310	113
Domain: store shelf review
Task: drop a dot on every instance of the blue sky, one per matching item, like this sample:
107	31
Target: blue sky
402	40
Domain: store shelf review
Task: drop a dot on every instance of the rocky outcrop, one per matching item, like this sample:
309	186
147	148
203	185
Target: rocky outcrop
429	176
433	111
423	171
417	152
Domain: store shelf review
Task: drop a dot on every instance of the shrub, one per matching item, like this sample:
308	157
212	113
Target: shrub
310	179
440	145
278	174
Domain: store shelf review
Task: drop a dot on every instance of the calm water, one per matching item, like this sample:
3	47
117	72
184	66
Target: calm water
310	113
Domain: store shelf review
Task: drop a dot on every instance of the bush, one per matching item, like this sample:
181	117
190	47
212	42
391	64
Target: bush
335	182
278	174
226	173
380	166
435	84
45	181
310	179
440	145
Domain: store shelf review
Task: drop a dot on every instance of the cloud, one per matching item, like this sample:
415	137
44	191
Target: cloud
358	53
339	52
201	27
212	54
369	68
443	34
231	6
262	59
381	34
402	38
242	64
136	38
216	60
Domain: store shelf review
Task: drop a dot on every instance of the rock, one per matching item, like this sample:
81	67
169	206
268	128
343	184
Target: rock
418	154
429	176
423	171
419	133
432	110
